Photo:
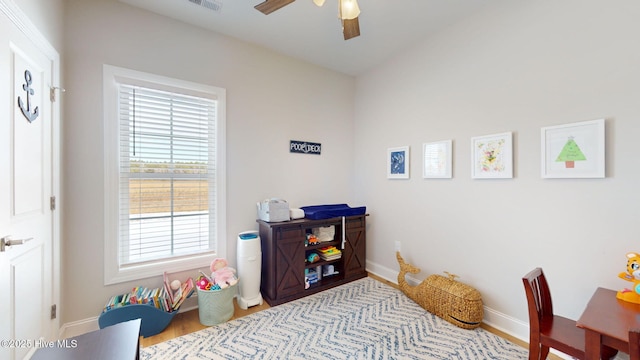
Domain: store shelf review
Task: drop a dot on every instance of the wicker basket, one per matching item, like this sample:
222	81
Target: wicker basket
456	302
216	306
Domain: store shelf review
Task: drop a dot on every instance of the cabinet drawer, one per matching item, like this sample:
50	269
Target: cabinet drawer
355	222
289	232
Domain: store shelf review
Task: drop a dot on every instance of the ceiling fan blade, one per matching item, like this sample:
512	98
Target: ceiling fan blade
350	28
269	6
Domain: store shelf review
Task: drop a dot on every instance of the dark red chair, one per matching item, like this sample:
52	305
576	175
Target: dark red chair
634	344
547	330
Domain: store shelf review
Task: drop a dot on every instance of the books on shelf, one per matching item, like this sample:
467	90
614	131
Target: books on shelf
162	298
167	286
311	276
330	253
182	293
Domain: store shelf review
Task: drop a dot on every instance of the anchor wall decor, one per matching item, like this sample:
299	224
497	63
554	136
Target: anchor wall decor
26	111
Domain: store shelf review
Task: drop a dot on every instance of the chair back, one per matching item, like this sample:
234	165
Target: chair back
538	297
634	344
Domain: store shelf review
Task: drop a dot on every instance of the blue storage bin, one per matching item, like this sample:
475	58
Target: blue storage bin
319	212
154	320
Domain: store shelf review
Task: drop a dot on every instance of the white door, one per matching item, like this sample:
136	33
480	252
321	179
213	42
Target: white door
27	276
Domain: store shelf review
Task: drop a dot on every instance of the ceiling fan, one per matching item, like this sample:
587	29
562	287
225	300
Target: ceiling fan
348	13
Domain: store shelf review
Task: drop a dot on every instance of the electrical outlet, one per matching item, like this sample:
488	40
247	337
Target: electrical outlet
397	246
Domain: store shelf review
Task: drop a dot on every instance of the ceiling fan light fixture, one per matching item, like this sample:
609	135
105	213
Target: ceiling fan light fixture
349	9
350	28
318	2
269	6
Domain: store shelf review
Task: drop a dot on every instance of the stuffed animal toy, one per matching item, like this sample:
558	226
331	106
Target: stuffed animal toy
203	283
175	285
222	274
632	275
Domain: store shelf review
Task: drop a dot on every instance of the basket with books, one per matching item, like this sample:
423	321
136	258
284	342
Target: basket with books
156	307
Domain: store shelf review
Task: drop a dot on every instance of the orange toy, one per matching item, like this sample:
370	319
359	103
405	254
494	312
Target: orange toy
632	275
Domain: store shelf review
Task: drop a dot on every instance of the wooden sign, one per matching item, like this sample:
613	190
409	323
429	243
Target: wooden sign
304	147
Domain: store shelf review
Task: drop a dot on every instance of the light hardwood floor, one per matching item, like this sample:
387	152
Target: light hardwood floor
188	322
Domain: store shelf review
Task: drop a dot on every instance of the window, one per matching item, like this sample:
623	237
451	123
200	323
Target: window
164	155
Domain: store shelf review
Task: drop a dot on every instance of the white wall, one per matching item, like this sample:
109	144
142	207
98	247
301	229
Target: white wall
518	67
271	99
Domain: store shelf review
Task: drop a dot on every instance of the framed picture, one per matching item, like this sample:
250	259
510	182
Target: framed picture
573	150
492	156
398	162
436	160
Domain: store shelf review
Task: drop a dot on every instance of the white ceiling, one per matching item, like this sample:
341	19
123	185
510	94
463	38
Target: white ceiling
305	31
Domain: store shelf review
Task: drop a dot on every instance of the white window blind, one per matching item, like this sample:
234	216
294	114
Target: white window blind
167	174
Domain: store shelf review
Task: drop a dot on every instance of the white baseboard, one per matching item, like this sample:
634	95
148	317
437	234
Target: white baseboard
493	318
79	327
500	321
507	324
84	326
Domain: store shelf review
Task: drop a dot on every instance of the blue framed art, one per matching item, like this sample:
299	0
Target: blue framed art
398	162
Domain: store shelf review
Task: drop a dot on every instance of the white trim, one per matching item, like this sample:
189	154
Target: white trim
505	323
493	318
112	271
79	327
22	22
84	326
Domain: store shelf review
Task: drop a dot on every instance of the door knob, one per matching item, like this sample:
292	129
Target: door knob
7	241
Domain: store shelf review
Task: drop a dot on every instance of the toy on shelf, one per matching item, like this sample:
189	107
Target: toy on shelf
312	258
311	239
311	276
329	270
633	275
329	253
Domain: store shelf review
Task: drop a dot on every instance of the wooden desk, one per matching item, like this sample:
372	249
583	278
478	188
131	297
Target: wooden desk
606	321
119	341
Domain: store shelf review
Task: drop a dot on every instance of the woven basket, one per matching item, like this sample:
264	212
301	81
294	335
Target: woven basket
216	306
456	302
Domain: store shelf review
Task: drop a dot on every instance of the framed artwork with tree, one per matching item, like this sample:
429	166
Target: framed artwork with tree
575	150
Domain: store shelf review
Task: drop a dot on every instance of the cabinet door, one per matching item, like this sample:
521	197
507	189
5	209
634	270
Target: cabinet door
355	249
289	261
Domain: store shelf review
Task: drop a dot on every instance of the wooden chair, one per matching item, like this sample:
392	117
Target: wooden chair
547	330
634	344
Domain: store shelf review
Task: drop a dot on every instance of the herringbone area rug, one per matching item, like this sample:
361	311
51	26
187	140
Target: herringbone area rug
364	319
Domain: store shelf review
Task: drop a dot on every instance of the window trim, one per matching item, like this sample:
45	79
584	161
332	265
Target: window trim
113	272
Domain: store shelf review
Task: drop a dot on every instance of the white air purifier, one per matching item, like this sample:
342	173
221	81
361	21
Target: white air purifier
249	269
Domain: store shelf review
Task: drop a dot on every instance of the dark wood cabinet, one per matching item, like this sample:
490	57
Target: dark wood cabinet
354	252
285	250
